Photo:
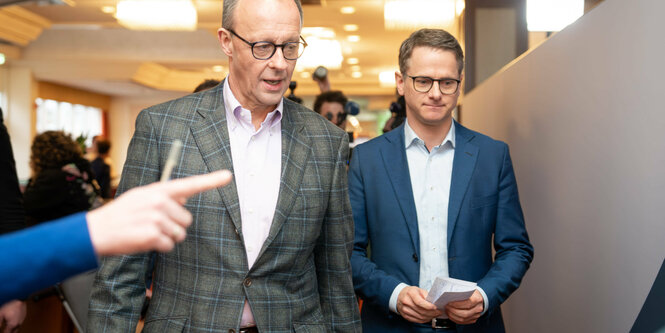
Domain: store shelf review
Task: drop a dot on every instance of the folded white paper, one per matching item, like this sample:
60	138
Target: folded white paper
445	290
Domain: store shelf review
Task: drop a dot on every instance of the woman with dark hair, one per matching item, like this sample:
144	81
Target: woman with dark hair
62	182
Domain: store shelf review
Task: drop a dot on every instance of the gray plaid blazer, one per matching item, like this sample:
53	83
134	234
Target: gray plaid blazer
301	281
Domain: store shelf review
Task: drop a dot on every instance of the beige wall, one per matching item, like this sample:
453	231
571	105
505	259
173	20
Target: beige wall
583	114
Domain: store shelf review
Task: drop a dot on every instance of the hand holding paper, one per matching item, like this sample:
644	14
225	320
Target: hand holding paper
460	300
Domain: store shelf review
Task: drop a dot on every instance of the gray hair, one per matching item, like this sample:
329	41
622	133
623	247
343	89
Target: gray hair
435	38
230	6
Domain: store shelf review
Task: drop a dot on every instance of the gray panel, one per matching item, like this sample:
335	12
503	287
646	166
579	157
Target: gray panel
584	116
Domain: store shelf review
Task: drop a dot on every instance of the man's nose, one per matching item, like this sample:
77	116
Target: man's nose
435	91
277	60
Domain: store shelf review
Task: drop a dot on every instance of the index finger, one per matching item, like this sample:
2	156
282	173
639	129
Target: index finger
186	187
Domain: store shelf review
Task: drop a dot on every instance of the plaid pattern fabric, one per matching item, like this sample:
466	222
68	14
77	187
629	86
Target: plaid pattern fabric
301	281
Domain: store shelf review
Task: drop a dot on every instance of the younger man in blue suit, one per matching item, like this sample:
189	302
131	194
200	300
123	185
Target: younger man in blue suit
432	197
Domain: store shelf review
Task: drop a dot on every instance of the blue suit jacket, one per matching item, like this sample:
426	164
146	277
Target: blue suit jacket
484	210
44	255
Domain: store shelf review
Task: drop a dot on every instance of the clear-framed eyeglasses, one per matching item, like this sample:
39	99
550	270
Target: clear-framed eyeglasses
423	84
265	50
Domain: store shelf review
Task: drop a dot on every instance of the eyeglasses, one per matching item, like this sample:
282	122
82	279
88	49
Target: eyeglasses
265	50
423	84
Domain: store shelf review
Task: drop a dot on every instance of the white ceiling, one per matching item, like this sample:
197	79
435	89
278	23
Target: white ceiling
86	48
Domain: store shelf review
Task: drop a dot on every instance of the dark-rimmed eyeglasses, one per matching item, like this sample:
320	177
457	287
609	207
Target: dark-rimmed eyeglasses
265	50
423	84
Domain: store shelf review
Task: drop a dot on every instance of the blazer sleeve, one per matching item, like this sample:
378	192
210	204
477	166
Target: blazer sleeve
373	284
42	257
514	252
118	292
333	250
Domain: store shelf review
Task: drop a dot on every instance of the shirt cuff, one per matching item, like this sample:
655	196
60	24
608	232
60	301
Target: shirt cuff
485	301
393	298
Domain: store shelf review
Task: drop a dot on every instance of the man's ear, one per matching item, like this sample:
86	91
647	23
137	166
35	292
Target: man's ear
224	37
399	82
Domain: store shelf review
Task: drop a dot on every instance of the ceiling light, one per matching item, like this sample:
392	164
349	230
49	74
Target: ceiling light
387	78
321	52
347	10
459	7
319	32
355	68
356	75
108	9
2	59
352	61
353	38
552	15
350	27
218	68
414	14
305	75
157	14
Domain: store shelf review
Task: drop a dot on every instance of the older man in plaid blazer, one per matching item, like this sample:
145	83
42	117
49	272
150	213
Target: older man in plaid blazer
270	252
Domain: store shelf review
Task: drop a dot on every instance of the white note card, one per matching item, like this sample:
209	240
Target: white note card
445	290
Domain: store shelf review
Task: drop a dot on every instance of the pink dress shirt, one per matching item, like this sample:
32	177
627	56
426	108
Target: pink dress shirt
257	166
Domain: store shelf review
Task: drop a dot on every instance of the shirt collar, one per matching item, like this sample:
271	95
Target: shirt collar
235	115
411	138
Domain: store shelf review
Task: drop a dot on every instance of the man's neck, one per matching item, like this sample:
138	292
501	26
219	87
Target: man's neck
431	135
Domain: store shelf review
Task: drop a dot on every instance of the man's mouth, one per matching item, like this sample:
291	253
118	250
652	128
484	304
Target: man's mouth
273	82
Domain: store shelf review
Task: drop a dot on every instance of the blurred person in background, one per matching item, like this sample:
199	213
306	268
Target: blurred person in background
330	105
61	182
102	170
206	84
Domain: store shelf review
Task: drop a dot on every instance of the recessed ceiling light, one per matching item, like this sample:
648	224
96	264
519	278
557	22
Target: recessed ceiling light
350	27
305	75
352	61
347	10
217	68
2	58
356	75
353	38
355	68
108	9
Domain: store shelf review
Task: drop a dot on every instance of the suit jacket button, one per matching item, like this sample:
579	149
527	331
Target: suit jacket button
247	282
415	257
232	331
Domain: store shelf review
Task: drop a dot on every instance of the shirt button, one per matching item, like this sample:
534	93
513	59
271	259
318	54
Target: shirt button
431	188
251	211
247	282
433	218
251	174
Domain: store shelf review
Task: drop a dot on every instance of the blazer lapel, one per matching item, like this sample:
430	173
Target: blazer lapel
295	152
464	162
393	154
212	138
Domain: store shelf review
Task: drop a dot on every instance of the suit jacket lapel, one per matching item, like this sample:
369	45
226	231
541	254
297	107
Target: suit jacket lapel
464	162
212	138
393	154
296	148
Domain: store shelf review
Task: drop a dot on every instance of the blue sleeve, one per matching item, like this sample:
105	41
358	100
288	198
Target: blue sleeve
44	255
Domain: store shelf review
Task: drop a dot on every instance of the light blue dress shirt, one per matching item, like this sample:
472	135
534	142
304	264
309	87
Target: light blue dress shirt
431	174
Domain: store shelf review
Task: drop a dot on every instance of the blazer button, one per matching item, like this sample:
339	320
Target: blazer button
415	257
232	331
247	282
237	233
